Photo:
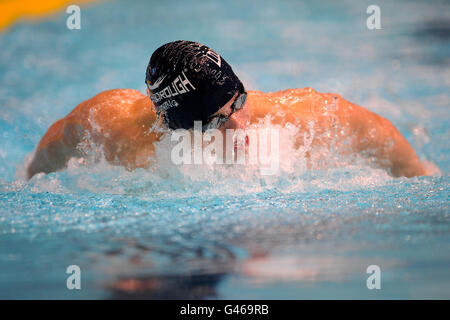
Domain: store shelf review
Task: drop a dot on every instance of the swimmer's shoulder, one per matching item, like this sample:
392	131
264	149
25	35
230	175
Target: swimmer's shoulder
113	100
119	94
109	107
286	96
301	101
114	96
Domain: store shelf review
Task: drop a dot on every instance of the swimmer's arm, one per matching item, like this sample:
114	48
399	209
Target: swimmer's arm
127	127
377	137
56	147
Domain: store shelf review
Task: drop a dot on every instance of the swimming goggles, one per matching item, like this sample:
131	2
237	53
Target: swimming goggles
216	121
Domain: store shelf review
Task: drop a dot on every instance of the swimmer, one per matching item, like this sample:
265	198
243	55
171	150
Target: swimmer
187	82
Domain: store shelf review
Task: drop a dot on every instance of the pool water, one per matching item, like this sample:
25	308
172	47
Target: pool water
178	232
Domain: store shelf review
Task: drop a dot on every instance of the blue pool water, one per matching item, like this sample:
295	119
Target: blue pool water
172	232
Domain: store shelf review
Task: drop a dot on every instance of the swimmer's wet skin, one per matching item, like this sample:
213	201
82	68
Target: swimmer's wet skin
188	81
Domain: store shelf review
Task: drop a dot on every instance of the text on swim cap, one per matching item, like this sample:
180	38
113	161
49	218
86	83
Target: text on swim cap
214	57
180	85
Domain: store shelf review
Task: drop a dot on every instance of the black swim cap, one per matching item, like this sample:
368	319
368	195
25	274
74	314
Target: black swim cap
189	82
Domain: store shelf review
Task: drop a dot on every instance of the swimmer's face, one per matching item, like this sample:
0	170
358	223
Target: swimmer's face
226	117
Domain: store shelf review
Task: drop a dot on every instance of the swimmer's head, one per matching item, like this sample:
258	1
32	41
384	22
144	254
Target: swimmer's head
190	82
